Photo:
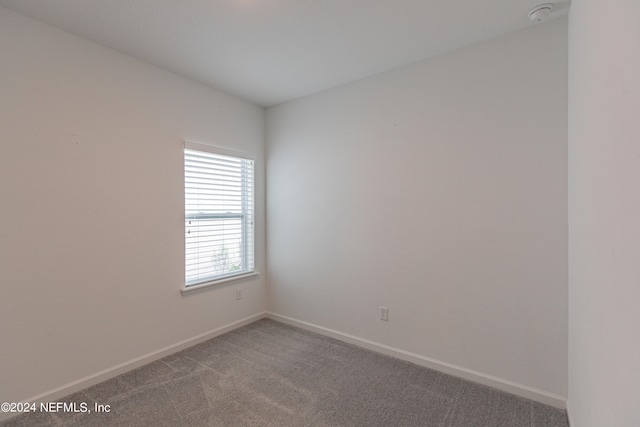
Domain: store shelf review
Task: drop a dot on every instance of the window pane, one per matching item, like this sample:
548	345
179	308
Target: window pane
218	216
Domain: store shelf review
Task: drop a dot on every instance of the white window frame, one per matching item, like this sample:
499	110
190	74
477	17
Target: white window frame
248	224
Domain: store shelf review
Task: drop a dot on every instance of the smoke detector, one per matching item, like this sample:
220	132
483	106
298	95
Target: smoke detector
540	12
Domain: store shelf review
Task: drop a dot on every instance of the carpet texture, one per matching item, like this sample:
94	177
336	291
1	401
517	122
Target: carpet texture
271	374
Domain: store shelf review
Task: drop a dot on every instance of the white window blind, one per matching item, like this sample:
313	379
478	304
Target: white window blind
219	203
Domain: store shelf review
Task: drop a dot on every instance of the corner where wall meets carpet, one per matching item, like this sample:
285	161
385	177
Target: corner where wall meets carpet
269	373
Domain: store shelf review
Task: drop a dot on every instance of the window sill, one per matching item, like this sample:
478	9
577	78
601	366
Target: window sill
190	289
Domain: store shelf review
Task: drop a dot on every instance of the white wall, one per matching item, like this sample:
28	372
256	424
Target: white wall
440	191
91	207
604	213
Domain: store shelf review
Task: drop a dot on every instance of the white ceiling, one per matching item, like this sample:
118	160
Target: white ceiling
271	51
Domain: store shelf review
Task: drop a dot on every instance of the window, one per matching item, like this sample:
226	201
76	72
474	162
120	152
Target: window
219	199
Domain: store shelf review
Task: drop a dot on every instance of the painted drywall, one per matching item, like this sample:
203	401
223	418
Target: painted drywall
91	207
604	212
438	190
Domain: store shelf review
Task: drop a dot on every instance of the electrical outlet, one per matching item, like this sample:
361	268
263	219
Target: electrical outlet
384	313
238	294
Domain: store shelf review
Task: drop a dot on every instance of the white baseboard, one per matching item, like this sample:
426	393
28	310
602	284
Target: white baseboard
98	377
467	374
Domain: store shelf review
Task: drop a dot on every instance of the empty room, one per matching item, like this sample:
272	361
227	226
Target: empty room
320	213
